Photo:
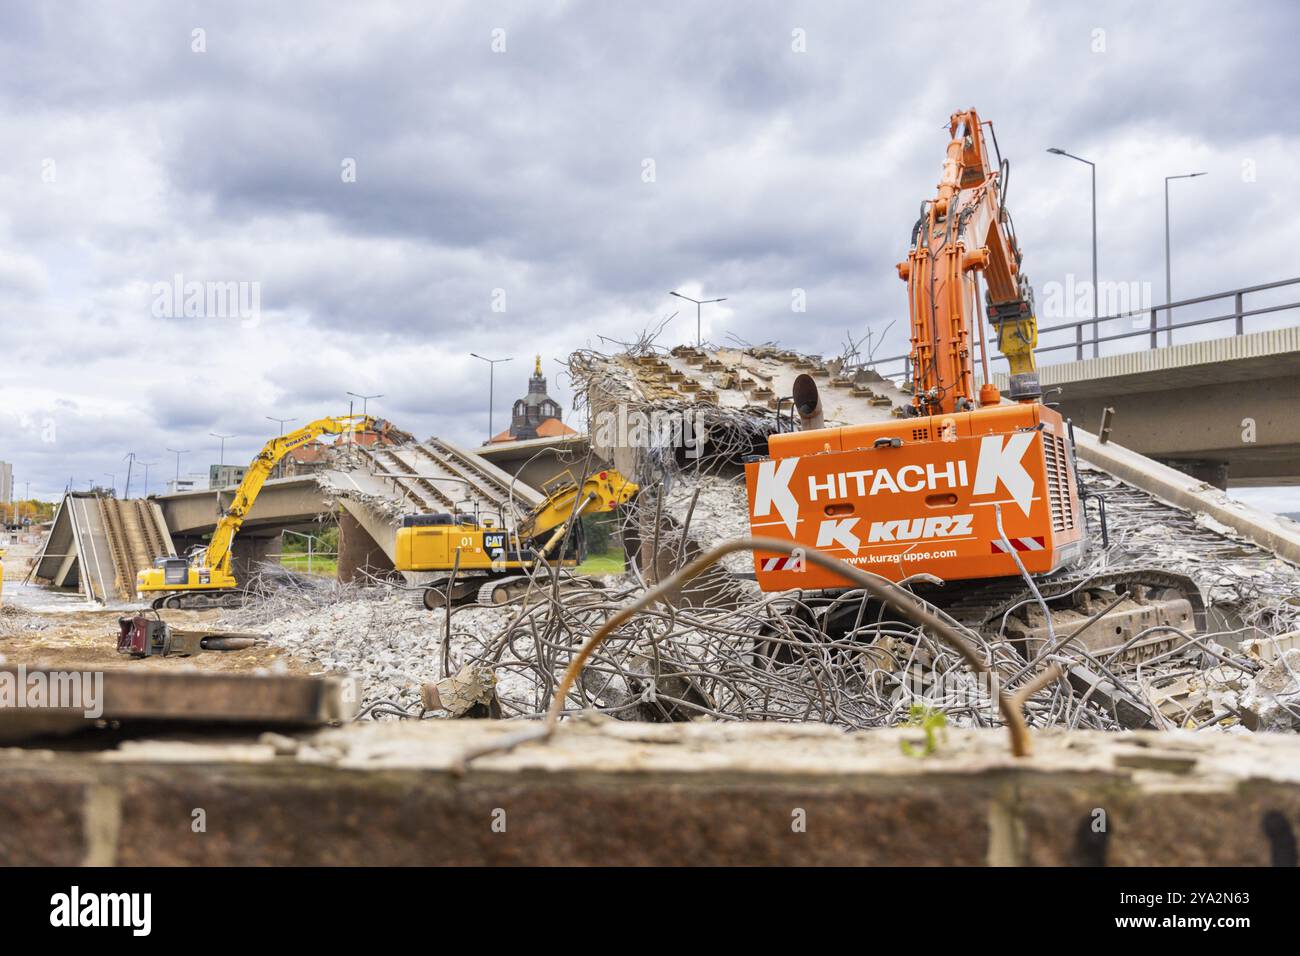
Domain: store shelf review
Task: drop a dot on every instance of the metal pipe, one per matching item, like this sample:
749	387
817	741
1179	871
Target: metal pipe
808	402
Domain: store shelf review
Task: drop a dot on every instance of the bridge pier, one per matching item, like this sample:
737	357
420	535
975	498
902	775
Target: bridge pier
359	553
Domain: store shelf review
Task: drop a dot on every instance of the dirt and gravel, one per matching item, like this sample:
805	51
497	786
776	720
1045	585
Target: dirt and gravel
44	627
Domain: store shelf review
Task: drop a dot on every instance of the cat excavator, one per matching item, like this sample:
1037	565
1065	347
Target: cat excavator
477	557
972	492
205	578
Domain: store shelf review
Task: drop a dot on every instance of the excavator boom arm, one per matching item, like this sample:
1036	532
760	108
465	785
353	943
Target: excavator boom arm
963	232
601	491
218	552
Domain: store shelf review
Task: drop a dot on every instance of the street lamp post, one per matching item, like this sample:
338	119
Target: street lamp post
1169	292
699	339
112	478
1095	293
129	458
178	452
146	465
222	460
492	367
282	422
364	399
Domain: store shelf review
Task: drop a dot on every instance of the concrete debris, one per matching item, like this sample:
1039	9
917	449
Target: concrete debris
1268	649
471	693
1271	702
16	620
736	654
384	638
711	509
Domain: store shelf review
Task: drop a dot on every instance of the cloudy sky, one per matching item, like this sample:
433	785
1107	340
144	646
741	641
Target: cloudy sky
402	183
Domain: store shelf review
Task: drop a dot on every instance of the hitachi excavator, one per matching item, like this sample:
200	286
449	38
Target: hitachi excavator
478	557
205	579
965	488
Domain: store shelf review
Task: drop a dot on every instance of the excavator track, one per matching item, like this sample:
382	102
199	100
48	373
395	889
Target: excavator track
1106	611
501	591
198	600
464	592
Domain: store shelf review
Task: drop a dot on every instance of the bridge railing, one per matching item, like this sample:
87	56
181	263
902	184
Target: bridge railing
1147	325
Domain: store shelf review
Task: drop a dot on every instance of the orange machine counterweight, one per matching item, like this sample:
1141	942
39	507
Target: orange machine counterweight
920	495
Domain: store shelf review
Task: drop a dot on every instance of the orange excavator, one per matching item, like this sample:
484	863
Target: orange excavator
979	493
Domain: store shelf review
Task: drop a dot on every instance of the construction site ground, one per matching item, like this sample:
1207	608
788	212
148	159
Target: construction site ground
40	626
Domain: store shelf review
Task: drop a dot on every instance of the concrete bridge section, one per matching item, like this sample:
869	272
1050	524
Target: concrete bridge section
419	478
373	489
98	545
296	504
537	461
1226	411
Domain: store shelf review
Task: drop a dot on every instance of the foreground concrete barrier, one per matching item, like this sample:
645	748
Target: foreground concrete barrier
618	793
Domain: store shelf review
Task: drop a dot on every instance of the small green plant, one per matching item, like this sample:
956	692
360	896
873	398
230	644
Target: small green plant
933	722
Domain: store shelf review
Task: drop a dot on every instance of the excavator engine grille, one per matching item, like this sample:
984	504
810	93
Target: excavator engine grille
1058	483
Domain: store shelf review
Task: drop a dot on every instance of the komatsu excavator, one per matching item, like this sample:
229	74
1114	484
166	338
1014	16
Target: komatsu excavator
205	578
965	488
479	557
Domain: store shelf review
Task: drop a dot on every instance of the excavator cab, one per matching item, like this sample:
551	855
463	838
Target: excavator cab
174	570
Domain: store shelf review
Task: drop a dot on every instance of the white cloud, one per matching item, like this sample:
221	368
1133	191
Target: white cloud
522	171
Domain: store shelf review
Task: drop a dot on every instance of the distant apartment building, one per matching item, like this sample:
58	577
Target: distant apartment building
6	482
193	482
225	476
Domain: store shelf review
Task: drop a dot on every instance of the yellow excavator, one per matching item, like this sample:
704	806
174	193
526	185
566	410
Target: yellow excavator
205	578
478	556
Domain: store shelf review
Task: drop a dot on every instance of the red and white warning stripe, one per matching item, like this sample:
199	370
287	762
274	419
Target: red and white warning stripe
1020	544
786	563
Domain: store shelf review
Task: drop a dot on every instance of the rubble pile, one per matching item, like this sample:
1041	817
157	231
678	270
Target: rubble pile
739	654
759	658
17	620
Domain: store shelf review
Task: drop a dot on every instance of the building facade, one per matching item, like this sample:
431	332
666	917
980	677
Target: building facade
536	415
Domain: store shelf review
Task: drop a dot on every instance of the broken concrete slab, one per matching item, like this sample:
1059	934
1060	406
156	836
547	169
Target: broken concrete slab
39	701
1271	701
98	544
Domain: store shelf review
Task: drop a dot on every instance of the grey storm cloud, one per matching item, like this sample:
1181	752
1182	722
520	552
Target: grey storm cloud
524	171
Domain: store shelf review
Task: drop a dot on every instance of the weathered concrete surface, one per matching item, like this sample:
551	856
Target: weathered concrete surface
537	461
359	554
191	697
1190	404
282	503
621	793
1274	532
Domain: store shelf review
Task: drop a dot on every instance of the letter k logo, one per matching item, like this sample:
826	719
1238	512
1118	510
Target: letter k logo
1002	463
774	491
